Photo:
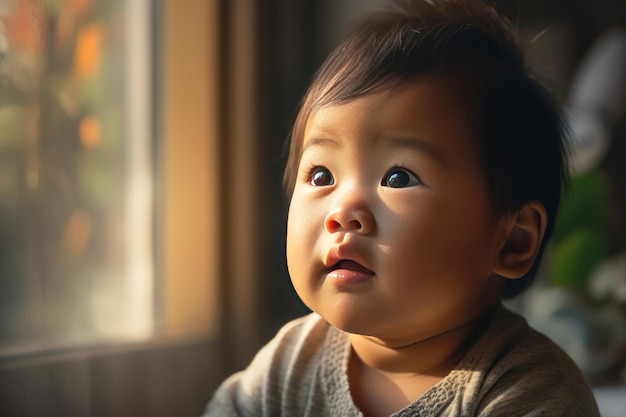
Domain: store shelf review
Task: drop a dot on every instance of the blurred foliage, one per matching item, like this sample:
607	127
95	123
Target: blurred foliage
579	242
62	160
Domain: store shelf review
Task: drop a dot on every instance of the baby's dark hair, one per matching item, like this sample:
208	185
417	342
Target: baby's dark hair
519	130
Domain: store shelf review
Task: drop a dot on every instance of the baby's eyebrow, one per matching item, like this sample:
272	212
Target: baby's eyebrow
405	142
320	141
417	144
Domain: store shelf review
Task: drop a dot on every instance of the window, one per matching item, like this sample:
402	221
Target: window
76	216
110	206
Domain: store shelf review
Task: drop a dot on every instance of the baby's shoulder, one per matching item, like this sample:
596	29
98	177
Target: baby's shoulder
526	366
512	343
301	342
310	330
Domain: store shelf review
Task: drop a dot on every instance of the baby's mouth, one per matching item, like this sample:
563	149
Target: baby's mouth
349	265
348	275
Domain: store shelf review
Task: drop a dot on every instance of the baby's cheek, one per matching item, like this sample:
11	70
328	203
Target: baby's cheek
298	238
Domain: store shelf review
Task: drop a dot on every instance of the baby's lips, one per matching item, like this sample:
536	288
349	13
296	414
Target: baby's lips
351	266
345	256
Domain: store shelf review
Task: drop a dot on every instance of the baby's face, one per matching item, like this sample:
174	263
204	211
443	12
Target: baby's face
390	232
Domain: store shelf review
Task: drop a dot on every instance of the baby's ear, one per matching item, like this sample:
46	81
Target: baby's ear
525	231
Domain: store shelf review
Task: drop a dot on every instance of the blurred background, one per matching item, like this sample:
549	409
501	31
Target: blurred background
142	218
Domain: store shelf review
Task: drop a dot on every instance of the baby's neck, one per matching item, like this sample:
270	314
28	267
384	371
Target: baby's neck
418	357
381	393
385	379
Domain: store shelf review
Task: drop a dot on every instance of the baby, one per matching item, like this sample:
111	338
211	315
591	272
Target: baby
424	176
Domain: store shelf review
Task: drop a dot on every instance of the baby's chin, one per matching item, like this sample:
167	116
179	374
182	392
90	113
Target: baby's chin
358	327
347	323
363	316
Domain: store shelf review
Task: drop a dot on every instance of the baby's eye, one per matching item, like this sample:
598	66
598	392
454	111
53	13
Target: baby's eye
400	178
321	177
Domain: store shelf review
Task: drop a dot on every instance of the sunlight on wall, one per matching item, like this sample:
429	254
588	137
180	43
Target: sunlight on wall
190	165
139	188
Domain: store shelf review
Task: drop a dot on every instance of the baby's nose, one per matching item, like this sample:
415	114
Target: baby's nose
350	219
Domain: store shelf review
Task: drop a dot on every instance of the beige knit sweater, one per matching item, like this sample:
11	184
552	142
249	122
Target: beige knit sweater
511	370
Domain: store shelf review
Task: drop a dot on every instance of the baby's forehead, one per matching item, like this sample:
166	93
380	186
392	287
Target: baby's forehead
426	100
428	116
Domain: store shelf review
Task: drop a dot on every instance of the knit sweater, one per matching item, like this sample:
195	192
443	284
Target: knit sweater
511	370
